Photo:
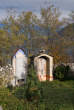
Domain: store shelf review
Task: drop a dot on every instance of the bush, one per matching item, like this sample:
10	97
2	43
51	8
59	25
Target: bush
61	72
31	90
20	92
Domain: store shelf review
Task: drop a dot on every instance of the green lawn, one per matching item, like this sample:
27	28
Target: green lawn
56	95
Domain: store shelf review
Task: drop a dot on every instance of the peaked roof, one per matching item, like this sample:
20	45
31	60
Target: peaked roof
20	51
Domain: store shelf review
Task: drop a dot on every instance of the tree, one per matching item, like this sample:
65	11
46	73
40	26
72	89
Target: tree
49	19
51	24
33	33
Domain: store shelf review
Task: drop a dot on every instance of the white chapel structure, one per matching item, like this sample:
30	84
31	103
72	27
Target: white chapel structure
44	67
19	63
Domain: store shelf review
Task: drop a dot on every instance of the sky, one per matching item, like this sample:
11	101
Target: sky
65	6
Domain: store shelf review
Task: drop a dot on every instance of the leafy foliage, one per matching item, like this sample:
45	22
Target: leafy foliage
31	90
62	72
33	33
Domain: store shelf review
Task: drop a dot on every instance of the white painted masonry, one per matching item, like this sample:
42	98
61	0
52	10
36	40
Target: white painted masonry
19	63
44	67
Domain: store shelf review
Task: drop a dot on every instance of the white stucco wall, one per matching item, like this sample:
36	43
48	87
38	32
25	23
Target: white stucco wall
41	69
19	65
40	65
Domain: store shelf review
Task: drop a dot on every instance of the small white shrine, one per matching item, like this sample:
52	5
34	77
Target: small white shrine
44	67
19	63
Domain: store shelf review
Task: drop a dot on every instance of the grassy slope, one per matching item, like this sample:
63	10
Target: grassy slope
56	95
8	101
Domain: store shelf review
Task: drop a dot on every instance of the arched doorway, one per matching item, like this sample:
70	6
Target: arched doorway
19	63
44	67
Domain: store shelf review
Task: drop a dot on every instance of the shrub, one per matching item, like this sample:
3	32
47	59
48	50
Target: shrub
31	90
61	72
20	92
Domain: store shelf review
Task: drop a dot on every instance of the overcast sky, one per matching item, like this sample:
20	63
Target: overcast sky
34	5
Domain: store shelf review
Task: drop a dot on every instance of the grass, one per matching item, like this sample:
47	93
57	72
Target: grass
56	95
8	101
